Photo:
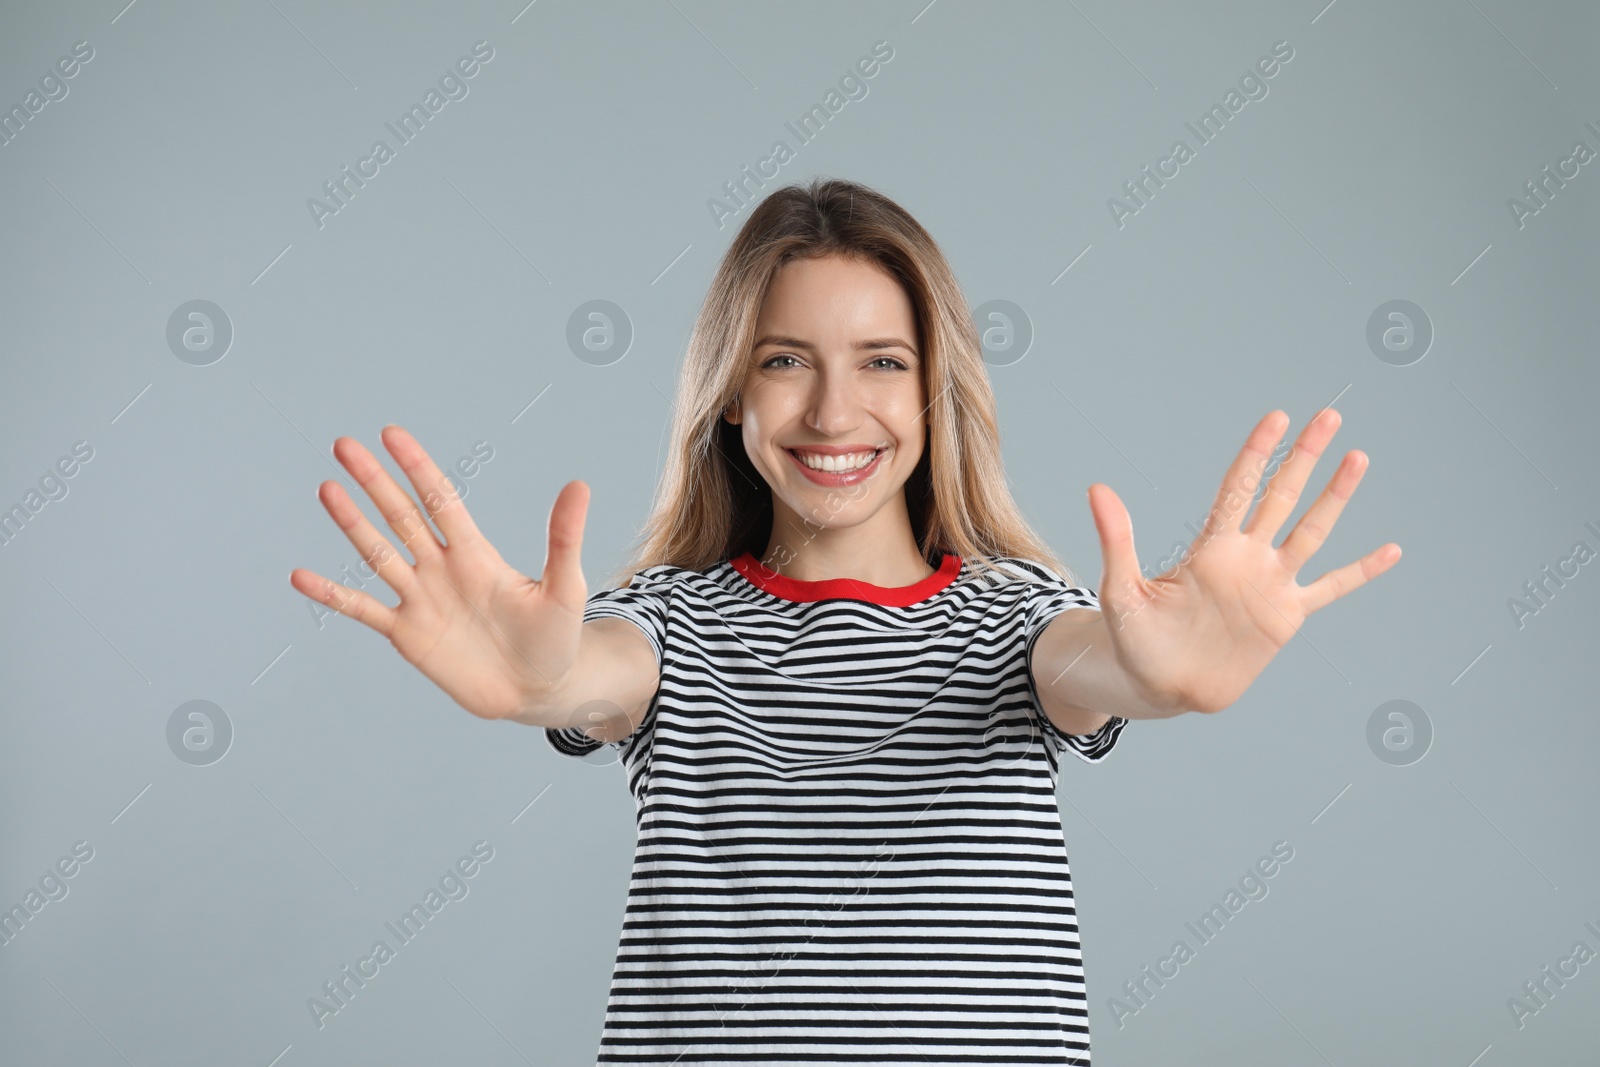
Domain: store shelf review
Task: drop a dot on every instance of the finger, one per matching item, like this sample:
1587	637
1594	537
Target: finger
352	602
563	565
437	493
398	509
1244	475
1120	576
376	551
1335	584
1287	482
1316	524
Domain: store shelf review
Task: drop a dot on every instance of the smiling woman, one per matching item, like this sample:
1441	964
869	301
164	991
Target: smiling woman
842	406
849	847
835	327
841	671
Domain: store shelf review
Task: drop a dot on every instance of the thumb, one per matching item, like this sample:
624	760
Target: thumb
563	567
1119	576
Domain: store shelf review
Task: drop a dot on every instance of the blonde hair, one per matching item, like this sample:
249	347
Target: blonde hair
712	504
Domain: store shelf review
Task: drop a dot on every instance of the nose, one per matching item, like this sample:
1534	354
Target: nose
835	406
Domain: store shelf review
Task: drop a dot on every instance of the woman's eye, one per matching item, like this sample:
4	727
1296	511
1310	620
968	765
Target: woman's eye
893	363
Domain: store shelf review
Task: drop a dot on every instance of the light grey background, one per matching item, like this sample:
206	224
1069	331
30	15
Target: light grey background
219	898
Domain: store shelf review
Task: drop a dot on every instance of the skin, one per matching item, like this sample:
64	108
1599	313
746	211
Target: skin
494	639
507	646
1196	636
828	389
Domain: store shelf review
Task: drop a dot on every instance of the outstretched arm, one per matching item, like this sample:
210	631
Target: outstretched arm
1073	661
1196	637
501	644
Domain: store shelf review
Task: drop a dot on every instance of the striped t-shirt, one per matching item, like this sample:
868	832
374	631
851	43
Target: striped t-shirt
849	845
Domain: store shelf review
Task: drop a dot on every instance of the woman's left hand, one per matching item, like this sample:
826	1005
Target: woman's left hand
1195	637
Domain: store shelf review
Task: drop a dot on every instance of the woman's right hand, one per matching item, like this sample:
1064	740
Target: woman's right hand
491	637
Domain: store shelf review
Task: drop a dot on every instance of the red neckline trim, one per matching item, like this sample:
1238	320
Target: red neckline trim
803	592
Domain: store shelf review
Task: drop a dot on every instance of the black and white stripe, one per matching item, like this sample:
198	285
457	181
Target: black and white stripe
849	848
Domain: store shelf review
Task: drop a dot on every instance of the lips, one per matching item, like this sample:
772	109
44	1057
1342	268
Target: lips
837	478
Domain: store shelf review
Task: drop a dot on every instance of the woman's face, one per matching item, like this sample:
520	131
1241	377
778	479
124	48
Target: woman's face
835	381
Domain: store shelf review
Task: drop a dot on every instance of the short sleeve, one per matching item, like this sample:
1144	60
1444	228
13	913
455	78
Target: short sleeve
1047	600
643	602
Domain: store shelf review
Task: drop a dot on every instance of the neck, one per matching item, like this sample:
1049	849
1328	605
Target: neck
881	551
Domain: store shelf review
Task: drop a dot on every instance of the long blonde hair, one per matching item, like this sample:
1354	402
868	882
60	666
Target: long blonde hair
712	504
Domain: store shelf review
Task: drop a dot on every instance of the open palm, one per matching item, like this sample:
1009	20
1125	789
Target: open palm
1196	636
486	634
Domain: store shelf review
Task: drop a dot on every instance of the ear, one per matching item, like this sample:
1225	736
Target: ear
731	413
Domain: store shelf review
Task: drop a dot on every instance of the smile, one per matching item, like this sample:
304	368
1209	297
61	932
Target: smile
833	470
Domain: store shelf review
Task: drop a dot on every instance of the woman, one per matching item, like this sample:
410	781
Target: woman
841	670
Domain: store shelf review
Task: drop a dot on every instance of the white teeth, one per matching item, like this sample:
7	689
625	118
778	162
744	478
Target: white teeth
851	462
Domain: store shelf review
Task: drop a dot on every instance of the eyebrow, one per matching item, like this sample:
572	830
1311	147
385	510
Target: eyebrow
871	344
